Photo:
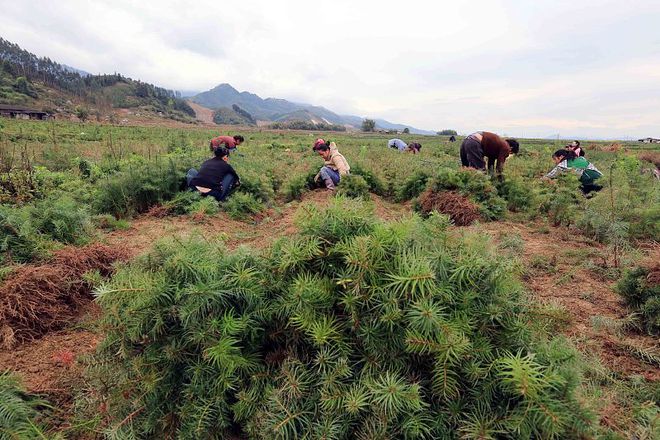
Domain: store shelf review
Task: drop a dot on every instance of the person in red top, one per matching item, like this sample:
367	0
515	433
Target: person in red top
484	143
229	142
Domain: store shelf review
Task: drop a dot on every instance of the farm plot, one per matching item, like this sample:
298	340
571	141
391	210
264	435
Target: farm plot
323	287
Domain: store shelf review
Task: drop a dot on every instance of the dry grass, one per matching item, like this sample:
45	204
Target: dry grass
35	299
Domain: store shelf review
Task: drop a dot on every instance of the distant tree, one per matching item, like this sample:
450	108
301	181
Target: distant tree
368	125
406	130
447	133
22	85
244	113
82	113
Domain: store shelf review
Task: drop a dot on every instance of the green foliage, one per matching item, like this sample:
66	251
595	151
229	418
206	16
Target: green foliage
18	411
241	206
447	133
22	85
353	185
368	125
61	218
298	185
229	116
182	202
412	186
374	182
641	293
19	241
561	200
138	188
520	196
81	113
352	329
306	125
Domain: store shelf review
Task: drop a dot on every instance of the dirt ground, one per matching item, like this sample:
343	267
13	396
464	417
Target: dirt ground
586	295
49	365
202	113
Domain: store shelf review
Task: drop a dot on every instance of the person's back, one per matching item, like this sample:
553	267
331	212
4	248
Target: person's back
488	144
211	173
397	143
230	142
216	177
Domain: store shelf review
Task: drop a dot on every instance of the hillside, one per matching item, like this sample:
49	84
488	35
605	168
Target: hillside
281	110
64	91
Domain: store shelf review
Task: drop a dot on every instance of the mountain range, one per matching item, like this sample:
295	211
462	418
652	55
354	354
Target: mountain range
224	96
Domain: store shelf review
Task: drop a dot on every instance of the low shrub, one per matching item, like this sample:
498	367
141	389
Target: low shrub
561	200
137	189
640	288
19	241
203	207
298	185
412	186
259	186
374	183
353	185
181	203
519	196
61	218
352	329
241	206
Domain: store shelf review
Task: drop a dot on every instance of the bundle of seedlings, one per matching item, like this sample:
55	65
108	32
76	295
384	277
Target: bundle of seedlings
35	299
352	329
473	185
461	210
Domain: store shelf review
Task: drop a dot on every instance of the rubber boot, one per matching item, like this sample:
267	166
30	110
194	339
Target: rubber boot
329	184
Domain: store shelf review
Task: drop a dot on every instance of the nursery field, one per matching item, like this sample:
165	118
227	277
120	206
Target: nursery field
420	300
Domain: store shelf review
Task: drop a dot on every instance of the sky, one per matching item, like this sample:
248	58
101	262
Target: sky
579	68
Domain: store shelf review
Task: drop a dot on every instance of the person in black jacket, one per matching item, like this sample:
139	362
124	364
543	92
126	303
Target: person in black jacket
216	178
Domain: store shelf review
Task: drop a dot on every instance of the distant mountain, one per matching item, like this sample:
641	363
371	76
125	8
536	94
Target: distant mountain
281	110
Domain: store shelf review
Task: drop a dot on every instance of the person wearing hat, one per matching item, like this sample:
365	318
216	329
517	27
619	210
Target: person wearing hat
335	164
486	144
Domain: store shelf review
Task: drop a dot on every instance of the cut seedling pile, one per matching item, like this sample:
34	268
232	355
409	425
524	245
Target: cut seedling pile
36	299
460	209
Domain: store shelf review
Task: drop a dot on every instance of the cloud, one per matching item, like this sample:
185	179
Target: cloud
529	68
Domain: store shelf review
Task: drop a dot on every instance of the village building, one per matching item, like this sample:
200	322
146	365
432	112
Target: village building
18	112
649	140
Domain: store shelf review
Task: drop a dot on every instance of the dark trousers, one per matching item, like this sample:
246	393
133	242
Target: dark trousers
228	186
472	154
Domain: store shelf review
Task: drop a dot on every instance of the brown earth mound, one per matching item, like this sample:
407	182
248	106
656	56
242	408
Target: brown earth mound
651	156
459	208
38	298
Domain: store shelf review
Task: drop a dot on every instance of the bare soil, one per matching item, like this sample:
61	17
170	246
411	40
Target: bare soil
202	113
585	294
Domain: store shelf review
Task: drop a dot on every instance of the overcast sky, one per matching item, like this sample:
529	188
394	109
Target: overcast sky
526	68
